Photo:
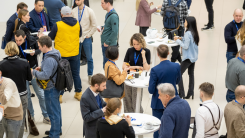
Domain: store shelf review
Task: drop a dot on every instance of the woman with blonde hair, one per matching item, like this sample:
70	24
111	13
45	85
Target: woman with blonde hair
143	18
138	57
240	37
20	22
112	125
19	71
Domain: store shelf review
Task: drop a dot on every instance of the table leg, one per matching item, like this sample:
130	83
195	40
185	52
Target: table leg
154	57
138	100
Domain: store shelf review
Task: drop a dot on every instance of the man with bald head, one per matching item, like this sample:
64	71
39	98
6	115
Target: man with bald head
235	74
230	33
175	120
235	115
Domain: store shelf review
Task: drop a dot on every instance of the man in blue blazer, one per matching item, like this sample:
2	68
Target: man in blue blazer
164	72
9	35
92	105
39	18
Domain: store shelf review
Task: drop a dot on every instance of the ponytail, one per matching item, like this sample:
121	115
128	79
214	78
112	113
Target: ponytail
22	12
16	22
112	106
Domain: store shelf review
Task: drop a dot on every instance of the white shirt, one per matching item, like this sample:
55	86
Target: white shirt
94	93
204	121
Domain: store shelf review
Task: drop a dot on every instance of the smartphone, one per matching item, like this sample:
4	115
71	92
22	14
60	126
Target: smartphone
151	42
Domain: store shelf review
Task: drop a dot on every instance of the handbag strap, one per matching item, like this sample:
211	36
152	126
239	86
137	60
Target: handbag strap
108	71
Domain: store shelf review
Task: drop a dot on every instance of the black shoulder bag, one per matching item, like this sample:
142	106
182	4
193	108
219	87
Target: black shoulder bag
112	89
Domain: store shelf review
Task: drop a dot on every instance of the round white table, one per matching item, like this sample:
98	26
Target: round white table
155	45
1	116
139	84
144	118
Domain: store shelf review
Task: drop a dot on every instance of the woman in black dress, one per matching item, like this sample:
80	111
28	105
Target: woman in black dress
139	58
112	125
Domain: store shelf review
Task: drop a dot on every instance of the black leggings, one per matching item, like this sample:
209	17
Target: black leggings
191	66
209	6
143	30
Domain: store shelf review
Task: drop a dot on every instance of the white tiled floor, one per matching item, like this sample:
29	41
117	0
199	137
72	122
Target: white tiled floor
210	67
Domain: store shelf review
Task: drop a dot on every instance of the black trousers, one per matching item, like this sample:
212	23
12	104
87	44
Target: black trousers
187	64
143	30
209	6
176	54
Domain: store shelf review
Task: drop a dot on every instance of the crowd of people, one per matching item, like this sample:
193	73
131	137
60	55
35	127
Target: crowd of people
72	31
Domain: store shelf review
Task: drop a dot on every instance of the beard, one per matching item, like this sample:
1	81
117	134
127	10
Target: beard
99	90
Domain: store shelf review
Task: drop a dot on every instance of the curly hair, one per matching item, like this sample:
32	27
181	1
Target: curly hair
139	38
240	36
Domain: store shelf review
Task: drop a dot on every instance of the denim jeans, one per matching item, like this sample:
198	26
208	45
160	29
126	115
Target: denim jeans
10	127
105	59
230	55
230	95
87	46
75	69
187	64
40	95
24	101
54	111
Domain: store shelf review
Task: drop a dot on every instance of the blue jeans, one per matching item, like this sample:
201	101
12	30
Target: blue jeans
54	111
230	95
87	46
10	127
105	59
158	114
230	55
75	69
40	95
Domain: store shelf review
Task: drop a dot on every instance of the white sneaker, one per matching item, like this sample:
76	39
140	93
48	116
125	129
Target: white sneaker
46	120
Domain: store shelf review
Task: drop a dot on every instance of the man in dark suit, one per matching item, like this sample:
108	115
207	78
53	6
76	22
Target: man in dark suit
39	18
165	72
9	35
92	105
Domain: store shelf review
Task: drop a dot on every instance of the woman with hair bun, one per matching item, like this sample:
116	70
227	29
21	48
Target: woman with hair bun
114	126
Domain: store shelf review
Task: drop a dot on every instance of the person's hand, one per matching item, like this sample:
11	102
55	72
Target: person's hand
180	38
32	54
126	68
151	3
128	119
98	29
105	45
176	38
1	81
41	29
87	37
38	68
104	109
40	35
143	53
159	7
140	68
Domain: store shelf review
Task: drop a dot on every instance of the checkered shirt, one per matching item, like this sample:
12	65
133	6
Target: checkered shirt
182	7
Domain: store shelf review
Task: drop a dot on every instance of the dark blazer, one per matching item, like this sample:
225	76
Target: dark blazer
35	23
9	35
143	18
175	121
164	72
91	112
119	130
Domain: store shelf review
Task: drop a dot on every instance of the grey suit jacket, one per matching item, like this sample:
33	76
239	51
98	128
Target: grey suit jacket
90	113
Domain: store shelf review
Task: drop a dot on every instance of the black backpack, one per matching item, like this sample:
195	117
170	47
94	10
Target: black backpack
64	80
171	16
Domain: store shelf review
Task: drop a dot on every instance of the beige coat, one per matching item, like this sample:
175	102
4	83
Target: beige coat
235	120
88	22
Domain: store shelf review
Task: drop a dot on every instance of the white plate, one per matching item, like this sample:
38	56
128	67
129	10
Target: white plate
159	40
148	128
28	51
170	41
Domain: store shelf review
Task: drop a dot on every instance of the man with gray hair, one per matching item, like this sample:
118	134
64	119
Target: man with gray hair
66	34
230	33
175	120
235	74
